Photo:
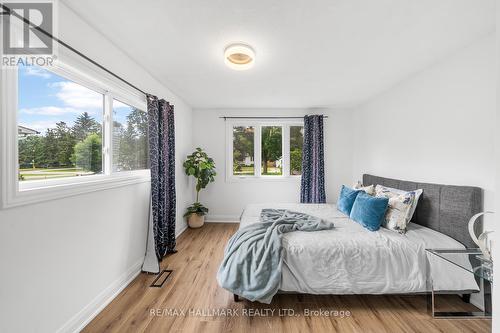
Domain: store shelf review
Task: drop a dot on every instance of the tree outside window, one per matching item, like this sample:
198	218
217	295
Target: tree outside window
272	163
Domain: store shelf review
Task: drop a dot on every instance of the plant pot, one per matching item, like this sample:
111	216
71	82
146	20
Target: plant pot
196	221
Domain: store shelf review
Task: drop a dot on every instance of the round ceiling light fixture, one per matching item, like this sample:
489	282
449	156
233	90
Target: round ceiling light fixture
239	56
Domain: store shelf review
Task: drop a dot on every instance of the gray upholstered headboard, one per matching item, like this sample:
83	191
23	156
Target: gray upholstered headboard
445	208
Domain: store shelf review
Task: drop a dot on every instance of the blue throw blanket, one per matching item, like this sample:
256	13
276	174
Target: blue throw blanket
253	257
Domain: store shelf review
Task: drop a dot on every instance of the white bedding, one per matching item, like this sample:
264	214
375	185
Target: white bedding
352	260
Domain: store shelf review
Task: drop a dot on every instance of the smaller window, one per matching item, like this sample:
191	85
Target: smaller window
272	152
296	144
243	151
130	147
264	149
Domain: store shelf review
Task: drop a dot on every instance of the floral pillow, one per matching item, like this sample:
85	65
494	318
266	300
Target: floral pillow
396	216
389	191
400	207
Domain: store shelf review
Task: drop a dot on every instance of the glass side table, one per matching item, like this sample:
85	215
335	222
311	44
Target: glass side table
471	261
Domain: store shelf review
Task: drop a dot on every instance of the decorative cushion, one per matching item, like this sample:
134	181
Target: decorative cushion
369	211
368	189
396	191
396	217
346	199
390	192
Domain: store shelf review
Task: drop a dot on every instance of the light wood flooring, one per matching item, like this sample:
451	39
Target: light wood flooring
193	288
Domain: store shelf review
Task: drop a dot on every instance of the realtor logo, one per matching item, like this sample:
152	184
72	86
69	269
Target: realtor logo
22	38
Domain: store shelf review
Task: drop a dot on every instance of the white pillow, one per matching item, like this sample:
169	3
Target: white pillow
379	189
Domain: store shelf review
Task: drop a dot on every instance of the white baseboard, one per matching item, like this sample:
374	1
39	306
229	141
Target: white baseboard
177	234
89	312
222	218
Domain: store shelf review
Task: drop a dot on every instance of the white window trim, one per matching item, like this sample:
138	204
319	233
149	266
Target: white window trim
257	124
14	193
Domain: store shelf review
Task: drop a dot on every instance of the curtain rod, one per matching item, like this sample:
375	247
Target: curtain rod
265	117
69	47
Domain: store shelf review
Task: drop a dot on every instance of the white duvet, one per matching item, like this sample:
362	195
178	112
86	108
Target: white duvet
352	260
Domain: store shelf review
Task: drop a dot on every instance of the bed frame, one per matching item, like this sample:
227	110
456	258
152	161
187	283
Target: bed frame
444	208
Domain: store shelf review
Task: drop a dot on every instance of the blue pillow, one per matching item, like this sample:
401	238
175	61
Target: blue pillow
346	199
369	211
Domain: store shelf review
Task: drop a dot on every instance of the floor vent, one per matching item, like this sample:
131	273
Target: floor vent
165	274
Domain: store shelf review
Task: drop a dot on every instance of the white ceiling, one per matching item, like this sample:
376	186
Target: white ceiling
309	53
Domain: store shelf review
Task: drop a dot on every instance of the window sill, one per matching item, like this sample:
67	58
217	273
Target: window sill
263	179
39	191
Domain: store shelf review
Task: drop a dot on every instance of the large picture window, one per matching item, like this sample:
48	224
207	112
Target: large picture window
69	130
266	150
59	126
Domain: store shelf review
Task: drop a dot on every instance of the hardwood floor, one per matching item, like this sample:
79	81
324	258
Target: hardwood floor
193	288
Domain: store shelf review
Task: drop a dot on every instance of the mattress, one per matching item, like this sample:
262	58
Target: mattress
352	260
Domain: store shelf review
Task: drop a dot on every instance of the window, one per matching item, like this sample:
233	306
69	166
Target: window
272	150
130	147
68	130
59	126
296	143
266	150
243	151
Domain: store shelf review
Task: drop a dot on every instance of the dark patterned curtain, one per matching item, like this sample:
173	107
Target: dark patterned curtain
161	237
312	186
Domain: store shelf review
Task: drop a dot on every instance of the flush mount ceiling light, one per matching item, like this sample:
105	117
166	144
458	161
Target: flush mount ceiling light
239	56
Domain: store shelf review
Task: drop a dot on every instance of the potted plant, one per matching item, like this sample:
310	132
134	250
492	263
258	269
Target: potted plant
201	167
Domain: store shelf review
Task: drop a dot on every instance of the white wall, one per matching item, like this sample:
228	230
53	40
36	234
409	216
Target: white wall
436	126
226	200
59	259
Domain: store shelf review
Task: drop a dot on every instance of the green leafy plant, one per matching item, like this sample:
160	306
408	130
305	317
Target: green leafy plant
201	167
196	208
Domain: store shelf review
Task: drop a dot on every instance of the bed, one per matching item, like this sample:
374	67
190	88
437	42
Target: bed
352	260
